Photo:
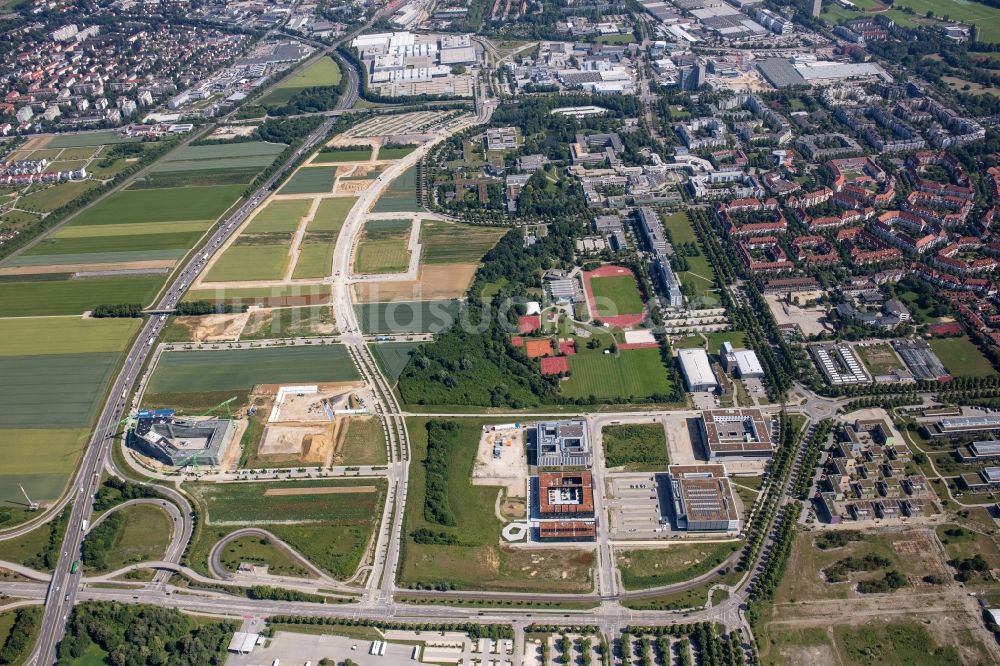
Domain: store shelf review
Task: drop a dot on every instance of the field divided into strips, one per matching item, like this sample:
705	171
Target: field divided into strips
449	243
310	180
180	377
383	247
323	72
212	164
54	374
137	230
401	195
88	139
399	318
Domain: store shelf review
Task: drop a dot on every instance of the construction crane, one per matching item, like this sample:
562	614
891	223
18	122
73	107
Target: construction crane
224	403
32	505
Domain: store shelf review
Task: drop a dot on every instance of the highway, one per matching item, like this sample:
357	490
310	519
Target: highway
65	584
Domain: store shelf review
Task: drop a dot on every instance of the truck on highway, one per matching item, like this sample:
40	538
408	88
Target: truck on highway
76	567
83	527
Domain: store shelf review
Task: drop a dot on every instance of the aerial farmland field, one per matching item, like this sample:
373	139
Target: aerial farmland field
401	195
343	155
383	247
257	261
449	243
33	297
241	369
162	205
53	377
315	256
310	180
344	500
323	72
331	214
279	216
407	317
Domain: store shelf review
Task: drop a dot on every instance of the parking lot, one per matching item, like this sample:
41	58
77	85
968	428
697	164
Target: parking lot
636	503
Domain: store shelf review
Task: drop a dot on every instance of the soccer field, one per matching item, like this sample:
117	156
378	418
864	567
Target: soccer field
637	373
236	369
961	357
616	295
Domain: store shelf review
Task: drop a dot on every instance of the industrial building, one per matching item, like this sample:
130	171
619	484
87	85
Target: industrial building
743	362
702	499
957	426
180	441
561	443
564	495
983	450
697	370
735	434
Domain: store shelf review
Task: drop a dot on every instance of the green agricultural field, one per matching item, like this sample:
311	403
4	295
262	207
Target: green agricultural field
961	357
400	196
392	357
56	297
310	180
395	152
122	246
241	369
274	296
639	447
279	216
476	561
59	390
315	260
653	567
449	243
383	247
106	231
162	205
51	197
220	151
323	72
331	214
637	373
405	317
27	337
60	262
250	262
289	323
352	501
88	139
616	295
40	459
342	155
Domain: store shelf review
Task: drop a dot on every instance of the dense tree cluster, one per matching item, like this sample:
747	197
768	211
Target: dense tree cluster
114	491
134	635
100	540
196	308
20	636
117	310
437	508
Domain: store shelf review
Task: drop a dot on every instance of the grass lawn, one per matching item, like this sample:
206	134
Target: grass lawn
616	295
637	373
448	243
354	500
250	262
383	247
279	216
652	567
364	443
478	562
701	277
962	543
331	214
343	155
63	297
715	340
315	260
400	196
144	536
961	357
680	228
640	447
310	180
235	369
879	358
260	550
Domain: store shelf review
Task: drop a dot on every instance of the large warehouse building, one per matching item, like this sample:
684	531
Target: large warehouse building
697	370
180	441
735	434
703	499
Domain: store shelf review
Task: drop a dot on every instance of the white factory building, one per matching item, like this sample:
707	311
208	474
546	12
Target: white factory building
697	370
743	361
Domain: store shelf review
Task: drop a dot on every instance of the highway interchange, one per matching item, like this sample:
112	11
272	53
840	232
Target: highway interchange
377	598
